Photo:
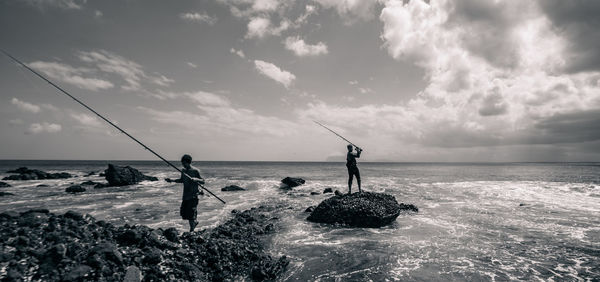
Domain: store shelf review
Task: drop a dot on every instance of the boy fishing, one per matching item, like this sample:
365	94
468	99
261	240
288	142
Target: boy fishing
189	203
352	168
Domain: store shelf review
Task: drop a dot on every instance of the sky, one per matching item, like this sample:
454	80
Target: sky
243	80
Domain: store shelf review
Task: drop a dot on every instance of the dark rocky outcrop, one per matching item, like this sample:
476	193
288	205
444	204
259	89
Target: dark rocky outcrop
233	188
4	184
310	209
125	175
292	181
328	190
315	193
2	194
42	185
41	246
89	183
33	174
75	189
360	210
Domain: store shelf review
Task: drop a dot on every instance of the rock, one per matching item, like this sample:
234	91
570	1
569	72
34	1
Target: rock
89	183
73	215
79	273
32	174
75	189
233	188
171	234
315	193
132	274
292	181
122	176
43	185
4	184
2	194
173	180
101	185
310	209
328	190
359	210
56	253
108	251
129	237
338	193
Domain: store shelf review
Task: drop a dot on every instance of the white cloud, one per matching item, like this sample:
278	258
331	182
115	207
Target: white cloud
71	75
130	71
202	17
353	82
191	65
16	121
300	48
36	128
365	90
86	120
28	107
201	98
98	14
240	53
63	4
272	71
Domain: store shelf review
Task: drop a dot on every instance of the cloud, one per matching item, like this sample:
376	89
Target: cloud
272	71
260	27
240	53
199	97
130	71
71	75
63	4
202	17
300	48
36	128
86	120
191	65
16	122
27	107
98	14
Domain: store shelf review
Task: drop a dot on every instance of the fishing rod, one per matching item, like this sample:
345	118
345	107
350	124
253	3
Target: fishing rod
335	133
109	122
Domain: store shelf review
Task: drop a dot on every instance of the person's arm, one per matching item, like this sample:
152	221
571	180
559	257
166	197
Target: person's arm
198	178
358	151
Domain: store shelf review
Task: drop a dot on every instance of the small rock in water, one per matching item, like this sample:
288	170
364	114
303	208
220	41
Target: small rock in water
4	184
315	193
328	190
101	185
88	183
233	188
75	189
293	181
359	210
43	185
2	194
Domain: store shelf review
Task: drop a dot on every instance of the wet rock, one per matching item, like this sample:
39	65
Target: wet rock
133	274
173	180
360	210
79	273
315	193
89	183
338	193
101	185
310	209
32	174
292	181
233	188
171	234
43	185
129	237
4	184
75	189
122	176
328	190
73	215
2	194
56	253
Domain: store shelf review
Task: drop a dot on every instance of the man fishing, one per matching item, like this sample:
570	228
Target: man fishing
352	168
189	203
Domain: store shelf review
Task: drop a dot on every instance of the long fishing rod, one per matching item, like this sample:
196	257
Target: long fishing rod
335	133
109	122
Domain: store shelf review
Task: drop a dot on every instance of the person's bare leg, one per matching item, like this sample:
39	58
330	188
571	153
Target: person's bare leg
193	224
350	184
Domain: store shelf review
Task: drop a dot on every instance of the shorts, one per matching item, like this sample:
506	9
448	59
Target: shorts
353	171
189	209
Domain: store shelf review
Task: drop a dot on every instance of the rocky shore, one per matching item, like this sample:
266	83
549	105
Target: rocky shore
42	246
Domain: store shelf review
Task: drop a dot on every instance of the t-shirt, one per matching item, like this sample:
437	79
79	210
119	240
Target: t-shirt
351	159
190	187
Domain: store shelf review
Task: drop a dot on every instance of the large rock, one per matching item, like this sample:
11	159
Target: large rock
125	175
292	181
33	174
359	210
4	184
233	188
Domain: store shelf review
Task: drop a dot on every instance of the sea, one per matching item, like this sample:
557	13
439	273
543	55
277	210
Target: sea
476	221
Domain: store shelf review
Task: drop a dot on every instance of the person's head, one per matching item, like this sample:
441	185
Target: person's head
349	147
186	160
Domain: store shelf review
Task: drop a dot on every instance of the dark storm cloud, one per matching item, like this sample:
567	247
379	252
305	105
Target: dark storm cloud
570	128
579	22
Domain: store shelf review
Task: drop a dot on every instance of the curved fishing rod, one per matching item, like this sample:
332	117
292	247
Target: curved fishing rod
335	133
109	122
